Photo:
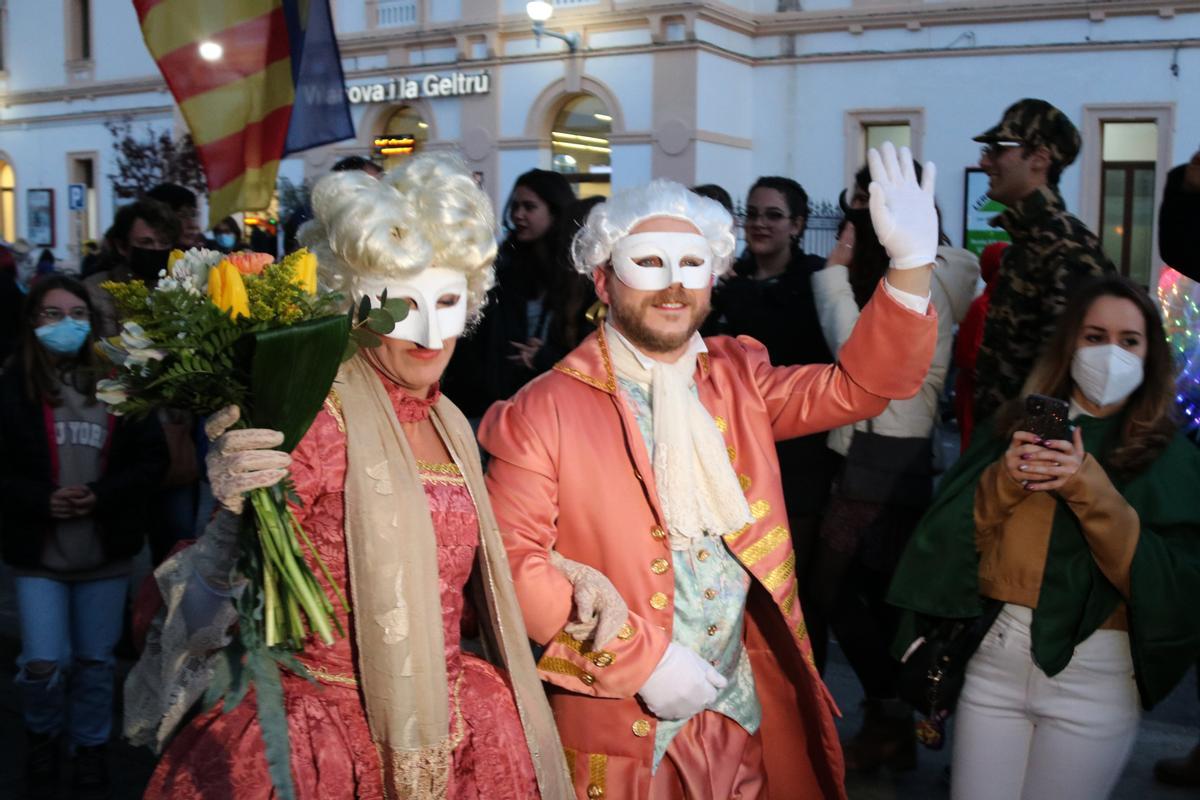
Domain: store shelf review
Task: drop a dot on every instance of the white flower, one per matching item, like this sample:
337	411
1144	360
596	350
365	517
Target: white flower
191	271
140	356
110	392
112	352
134	337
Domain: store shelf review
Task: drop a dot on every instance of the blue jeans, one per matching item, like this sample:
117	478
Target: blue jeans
68	632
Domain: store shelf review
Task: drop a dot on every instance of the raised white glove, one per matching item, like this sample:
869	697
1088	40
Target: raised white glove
902	211
682	685
241	460
599	609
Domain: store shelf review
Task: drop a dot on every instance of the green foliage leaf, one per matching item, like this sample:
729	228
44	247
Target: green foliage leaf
380	321
397	307
364	308
364	338
272	720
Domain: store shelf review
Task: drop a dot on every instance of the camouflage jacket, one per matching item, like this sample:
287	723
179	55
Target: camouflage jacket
1051	252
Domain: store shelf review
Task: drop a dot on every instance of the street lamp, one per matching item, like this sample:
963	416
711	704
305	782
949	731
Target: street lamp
539	11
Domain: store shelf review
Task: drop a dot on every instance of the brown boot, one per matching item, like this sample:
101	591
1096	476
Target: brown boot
886	738
1179	771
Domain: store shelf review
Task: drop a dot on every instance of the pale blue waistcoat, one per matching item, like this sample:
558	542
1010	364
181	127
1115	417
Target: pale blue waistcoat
710	604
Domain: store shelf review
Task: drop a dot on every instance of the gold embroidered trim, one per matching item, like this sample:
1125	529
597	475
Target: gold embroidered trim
789	602
597	771
732	451
441	469
601	658
778	576
333	404
801	631
442	480
759	509
567	640
569	755
764	546
730	538
561	666
610	385
744	480
722	425
425	772
332	677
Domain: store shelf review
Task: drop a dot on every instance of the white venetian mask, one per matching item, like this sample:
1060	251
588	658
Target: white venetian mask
653	261
437	304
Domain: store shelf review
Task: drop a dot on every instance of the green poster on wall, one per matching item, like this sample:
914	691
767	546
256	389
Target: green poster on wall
978	208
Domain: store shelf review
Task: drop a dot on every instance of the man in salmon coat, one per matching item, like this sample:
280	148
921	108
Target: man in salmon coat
637	491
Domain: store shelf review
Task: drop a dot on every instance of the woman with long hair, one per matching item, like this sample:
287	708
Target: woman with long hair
868	521
74	486
1092	544
391	492
521	337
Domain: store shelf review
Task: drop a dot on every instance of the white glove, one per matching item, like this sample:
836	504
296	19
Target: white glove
241	460
599	608
902	211
682	685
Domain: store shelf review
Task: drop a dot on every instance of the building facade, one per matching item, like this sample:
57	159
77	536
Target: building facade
695	90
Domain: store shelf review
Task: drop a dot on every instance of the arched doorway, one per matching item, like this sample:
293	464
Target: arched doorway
404	133
580	145
8	202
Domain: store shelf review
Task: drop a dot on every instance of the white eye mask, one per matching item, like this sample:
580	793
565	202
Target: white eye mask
426	323
672	249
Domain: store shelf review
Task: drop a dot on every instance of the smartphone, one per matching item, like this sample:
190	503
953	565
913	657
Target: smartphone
1047	417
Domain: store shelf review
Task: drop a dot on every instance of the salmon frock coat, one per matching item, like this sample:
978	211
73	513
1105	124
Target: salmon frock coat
570	472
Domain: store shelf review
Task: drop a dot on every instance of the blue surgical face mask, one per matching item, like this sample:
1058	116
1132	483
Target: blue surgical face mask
64	337
226	241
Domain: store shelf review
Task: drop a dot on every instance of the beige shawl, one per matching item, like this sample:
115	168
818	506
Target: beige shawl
394	590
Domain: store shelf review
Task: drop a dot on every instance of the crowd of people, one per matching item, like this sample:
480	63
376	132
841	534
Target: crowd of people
636	485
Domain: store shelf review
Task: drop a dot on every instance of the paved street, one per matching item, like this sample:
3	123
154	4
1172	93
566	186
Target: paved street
1170	729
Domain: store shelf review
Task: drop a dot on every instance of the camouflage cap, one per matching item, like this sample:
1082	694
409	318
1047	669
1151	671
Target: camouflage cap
1039	124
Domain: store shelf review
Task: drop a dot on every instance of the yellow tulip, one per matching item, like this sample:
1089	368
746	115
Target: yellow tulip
305	275
227	291
172	258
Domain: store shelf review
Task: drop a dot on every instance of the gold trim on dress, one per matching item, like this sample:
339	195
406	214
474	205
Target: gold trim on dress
610	384
333	404
778	576
756	552
332	677
449	468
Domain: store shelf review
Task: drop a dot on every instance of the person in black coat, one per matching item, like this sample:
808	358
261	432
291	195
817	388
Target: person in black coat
1179	219
769	297
535	311
74	486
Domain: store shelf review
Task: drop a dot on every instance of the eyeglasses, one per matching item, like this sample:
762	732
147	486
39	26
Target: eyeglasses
53	314
997	149
771	216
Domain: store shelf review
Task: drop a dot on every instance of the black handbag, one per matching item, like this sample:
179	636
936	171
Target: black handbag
932	673
890	470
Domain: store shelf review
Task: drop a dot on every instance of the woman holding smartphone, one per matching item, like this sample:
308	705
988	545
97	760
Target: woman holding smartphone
1092	542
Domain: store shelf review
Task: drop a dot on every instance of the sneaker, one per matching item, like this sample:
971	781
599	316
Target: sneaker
91	773
41	765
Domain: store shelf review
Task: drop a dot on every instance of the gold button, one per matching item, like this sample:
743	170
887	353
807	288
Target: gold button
626	632
659	565
658	533
602	659
594	791
658	600
702	555
712	631
710	594
587	679
641	728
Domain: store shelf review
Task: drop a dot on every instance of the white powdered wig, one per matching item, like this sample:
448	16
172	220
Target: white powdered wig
428	212
612	220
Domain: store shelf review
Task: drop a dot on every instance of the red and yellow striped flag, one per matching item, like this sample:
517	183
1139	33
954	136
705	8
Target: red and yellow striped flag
255	81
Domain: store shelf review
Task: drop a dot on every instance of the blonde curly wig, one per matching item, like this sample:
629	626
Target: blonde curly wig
426	212
612	220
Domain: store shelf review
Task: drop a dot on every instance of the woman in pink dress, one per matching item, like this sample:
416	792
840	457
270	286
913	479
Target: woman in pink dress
392	495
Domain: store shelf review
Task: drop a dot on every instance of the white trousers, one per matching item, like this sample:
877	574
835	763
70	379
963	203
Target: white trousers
1019	735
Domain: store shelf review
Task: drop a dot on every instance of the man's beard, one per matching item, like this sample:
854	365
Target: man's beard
630	321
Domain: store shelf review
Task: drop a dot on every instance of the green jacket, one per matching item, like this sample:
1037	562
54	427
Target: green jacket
1051	253
938	574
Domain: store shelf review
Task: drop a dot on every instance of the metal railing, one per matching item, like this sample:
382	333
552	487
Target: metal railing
396	13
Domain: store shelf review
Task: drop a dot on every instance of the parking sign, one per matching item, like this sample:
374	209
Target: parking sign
75	196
